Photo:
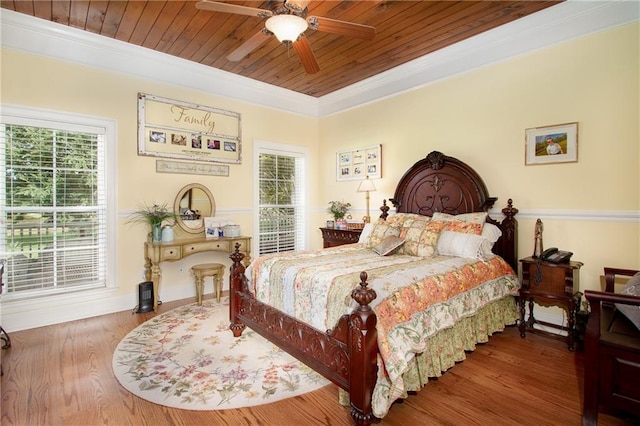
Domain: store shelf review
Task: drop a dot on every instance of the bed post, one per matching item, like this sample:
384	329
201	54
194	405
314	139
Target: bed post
236	276
385	210
363	350
510	235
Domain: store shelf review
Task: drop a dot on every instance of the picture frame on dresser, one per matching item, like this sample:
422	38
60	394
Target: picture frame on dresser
551	144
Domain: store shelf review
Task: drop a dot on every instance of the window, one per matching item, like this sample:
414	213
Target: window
53	175
281	198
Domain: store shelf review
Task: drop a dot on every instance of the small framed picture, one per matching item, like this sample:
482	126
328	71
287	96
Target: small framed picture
551	144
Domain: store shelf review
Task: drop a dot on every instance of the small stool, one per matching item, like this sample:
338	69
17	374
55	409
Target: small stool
213	270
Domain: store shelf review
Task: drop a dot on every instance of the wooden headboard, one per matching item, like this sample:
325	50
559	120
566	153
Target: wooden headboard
439	183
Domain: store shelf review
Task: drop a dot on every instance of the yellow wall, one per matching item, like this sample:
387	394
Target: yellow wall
480	117
35	81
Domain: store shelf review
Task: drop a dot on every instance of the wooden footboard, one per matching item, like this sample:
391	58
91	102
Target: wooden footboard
346	355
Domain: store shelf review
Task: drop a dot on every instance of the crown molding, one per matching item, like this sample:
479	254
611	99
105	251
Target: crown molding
45	38
556	24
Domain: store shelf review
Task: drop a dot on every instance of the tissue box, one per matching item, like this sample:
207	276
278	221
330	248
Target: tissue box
231	230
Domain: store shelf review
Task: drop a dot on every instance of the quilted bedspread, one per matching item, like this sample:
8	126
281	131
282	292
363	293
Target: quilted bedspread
416	296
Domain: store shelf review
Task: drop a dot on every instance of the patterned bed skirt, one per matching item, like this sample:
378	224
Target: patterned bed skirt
445	349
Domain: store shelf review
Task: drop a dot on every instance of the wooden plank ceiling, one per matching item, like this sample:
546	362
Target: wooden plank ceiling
405	30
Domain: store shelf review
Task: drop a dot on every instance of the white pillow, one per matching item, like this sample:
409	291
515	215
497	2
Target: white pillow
491	232
465	245
631	288
364	235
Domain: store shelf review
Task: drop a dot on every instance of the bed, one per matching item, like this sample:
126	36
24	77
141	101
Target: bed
434	303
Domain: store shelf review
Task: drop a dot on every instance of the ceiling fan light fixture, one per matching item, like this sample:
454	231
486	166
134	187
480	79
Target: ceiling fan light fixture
286	27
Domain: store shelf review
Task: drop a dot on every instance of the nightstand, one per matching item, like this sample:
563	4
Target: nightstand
337	237
550	284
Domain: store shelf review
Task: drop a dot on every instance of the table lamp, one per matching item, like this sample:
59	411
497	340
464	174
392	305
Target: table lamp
366	186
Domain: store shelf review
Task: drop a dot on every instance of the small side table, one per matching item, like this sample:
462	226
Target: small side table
550	284
337	237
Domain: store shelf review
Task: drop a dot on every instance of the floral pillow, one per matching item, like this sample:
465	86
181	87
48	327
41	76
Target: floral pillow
420	237
469	223
631	288
479	217
398	219
380	231
463	227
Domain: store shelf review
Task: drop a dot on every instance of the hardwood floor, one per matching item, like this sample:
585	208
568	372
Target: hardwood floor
61	375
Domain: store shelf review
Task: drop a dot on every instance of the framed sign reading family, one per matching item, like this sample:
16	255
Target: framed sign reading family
174	129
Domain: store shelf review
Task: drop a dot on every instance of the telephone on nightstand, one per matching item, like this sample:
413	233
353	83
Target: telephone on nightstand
554	255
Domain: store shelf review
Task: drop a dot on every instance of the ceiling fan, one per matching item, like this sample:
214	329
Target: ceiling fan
288	21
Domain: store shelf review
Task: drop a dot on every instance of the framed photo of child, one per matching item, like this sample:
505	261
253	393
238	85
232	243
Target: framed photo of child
552	144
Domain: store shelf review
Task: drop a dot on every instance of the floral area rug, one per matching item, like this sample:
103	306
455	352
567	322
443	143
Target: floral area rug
188	358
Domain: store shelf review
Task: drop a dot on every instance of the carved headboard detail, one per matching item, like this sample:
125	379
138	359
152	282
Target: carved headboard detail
439	183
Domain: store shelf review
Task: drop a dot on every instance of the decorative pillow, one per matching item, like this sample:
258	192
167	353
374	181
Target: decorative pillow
460	244
463	227
388	245
380	231
631	288
398	219
420	237
366	231
491	232
478	219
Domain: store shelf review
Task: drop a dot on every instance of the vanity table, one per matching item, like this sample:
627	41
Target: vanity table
155	253
193	203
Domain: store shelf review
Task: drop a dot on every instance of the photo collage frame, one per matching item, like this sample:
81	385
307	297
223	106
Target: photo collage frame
357	164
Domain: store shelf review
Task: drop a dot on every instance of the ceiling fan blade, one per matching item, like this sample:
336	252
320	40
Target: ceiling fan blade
305	53
249	46
215	6
350	29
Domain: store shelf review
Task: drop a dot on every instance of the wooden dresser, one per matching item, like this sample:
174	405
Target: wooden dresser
337	237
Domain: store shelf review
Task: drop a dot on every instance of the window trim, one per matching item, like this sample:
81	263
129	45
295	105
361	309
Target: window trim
260	147
31	116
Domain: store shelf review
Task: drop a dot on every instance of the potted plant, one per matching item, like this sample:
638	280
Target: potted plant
154	215
339	209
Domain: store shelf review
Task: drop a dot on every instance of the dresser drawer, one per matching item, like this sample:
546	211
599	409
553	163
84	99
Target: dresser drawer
221	245
170	253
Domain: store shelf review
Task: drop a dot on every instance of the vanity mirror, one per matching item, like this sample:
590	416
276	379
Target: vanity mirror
193	203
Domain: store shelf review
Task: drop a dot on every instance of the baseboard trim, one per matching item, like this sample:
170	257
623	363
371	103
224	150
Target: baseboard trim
24	314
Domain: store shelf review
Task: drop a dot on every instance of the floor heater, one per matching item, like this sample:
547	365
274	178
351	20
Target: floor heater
145	297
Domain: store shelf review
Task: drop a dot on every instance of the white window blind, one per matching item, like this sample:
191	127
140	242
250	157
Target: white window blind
281	202
53	205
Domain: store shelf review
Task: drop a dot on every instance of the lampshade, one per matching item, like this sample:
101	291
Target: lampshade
366	185
286	27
